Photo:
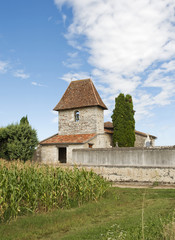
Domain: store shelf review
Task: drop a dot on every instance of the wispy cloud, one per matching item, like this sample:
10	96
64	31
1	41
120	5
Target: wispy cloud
4	66
55	119
69	64
131	46
72	61
49	18
21	74
72	54
64	17
75	76
38	84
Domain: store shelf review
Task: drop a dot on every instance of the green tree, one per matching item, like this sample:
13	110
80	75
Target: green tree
3	143
24	120
19	141
123	121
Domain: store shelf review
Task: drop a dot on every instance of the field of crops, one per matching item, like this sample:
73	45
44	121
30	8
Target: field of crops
27	187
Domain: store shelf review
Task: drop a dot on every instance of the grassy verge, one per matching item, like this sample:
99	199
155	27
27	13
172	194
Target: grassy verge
129	214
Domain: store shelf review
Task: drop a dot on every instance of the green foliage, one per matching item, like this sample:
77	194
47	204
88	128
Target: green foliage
3	143
123	121
18	141
26	187
24	120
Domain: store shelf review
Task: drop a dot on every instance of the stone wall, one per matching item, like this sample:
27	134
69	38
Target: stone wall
91	120
154	157
74	146
140	141
102	141
135	175
49	154
133	165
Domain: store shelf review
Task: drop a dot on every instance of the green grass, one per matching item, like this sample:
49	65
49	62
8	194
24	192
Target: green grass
120	214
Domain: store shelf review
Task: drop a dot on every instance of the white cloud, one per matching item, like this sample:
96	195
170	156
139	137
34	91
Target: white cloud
20	74
72	54
71	65
164	79
55	119
3	66
72	61
64	17
38	84
131	46
75	76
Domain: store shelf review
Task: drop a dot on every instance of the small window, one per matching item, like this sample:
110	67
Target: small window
90	145
77	116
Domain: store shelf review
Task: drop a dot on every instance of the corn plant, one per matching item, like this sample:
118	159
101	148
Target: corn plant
27	187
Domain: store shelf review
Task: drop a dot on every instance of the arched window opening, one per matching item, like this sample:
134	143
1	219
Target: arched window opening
77	116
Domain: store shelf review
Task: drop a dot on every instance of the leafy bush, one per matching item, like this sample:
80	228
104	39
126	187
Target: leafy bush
18	141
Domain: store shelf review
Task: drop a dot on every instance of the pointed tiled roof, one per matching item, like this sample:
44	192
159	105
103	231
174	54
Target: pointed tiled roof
68	139
80	93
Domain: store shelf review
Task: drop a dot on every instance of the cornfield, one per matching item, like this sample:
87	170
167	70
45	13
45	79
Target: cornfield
27	187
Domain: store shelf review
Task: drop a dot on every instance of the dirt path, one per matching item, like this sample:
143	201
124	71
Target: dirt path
144	185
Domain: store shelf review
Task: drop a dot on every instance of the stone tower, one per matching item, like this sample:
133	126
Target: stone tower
81	109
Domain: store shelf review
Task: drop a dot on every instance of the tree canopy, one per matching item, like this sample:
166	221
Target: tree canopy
18	141
123	121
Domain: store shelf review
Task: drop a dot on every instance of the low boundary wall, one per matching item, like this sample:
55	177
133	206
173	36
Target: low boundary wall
133	175
143	165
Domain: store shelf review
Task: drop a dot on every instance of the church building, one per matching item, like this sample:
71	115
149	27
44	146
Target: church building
81	124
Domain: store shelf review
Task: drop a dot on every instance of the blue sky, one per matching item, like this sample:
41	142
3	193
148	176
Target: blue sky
124	46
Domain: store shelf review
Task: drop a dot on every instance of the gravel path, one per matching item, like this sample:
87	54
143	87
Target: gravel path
144	185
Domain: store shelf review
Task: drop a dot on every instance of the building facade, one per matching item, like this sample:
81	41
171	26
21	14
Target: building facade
81	125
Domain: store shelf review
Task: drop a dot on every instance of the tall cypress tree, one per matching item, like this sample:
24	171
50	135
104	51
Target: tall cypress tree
130	121
123	121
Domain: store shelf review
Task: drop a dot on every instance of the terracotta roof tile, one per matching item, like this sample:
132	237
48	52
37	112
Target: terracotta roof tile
144	134
108	127
80	93
108	131
77	138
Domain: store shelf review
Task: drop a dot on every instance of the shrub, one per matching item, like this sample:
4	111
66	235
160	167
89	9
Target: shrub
18	141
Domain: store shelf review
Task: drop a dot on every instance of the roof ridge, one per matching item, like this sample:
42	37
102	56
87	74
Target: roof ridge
81	80
63	95
94	91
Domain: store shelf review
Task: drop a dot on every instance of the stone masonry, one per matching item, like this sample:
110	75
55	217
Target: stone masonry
140	141
91	120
